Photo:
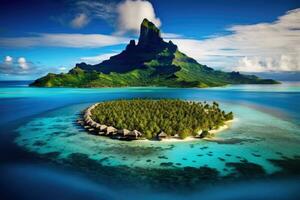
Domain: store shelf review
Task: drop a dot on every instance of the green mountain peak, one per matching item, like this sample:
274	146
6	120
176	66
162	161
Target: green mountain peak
149	34
149	25
150	62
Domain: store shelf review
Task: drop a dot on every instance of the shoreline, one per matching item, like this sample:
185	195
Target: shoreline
102	130
192	138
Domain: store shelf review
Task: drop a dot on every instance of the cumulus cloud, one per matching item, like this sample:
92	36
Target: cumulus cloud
22	63
125	16
259	47
259	64
8	59
19	67
132	12
96	59
80	21
63	40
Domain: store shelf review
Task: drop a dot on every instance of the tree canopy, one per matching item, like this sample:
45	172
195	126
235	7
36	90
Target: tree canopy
151	117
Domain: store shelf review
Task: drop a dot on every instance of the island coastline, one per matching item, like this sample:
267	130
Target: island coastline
96	128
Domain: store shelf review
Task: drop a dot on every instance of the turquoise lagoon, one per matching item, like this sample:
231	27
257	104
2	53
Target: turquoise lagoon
260	143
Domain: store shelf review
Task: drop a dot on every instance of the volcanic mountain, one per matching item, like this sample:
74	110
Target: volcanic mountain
150	62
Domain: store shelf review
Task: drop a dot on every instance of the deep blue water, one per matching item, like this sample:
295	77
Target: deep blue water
25	175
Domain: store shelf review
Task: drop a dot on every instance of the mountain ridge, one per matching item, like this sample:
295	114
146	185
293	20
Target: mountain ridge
150	62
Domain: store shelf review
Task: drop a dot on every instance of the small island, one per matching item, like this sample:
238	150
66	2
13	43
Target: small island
154	119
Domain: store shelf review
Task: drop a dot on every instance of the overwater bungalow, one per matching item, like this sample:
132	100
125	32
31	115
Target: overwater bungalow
91	129
135	134
102	127
110	130
123	132
101	133
93	124
161	135
87	127
98	126
89	121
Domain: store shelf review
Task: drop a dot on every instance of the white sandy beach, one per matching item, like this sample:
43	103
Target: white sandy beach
191	138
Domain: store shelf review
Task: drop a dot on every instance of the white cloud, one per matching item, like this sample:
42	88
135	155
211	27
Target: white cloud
96	9
259	47
125	16
8	59
171	35
62	68
80	21
258	64
23	68
131	14
63	40
22	63
96	59
78	13
19	67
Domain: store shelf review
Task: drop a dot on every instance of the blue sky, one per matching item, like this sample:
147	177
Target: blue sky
40	36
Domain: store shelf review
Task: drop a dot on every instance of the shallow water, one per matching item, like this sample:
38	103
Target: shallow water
41	121
253	136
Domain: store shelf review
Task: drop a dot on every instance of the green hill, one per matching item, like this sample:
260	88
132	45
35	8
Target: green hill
150	62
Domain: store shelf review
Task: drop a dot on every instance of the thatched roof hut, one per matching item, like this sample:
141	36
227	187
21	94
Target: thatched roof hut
93	124
102	127
162	135
138	133
123	132
91	129
101	133
89	121
88	113
79	121
134	134
110	130
98	126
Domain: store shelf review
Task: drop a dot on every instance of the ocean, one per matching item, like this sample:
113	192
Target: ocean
45	155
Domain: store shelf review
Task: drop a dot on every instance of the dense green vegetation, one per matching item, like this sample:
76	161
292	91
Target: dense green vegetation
152	62
154	116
